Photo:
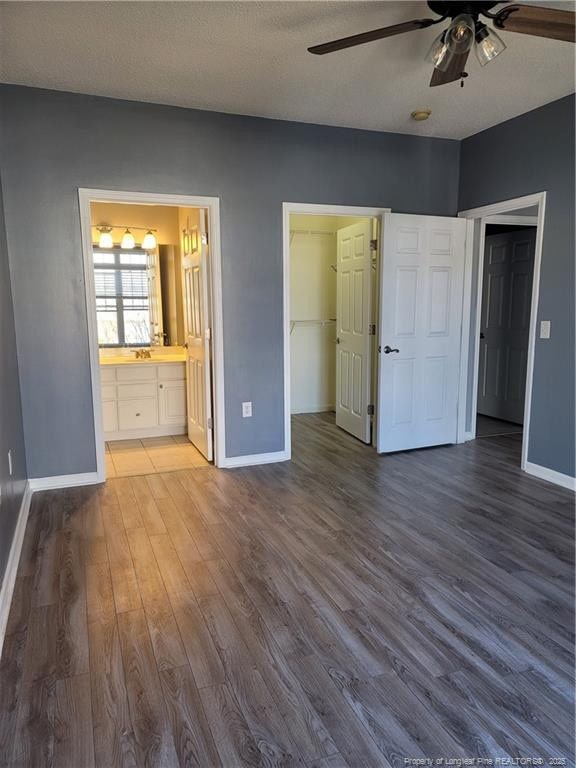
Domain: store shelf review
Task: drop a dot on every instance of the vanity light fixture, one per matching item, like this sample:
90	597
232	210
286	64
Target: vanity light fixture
105	240
128	241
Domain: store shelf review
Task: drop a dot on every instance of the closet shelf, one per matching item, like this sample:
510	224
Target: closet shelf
294	323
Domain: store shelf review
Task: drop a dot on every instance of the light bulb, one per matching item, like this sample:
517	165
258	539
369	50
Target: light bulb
128	241
149	241
105	239
460	34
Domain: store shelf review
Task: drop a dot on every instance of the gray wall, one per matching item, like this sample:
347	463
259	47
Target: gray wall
11	432
535	153
57	142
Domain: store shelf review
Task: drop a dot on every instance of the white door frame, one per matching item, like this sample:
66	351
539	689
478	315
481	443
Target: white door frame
212	204
497	214
311	209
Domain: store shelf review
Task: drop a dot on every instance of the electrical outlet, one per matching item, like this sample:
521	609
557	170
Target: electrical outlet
246	410
544	329
10	462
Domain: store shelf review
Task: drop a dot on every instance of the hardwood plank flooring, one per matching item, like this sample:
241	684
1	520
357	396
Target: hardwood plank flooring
340	610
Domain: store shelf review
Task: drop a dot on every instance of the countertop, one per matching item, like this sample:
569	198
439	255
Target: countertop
128	357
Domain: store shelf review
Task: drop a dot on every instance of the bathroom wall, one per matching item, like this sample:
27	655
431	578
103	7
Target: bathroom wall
163	218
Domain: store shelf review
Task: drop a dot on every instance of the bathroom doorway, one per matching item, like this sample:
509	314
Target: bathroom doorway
151	272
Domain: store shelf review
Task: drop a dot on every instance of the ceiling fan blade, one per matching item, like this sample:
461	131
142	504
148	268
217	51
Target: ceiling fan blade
535	20
453	73
374	34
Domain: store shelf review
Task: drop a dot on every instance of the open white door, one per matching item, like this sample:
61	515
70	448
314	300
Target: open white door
353	372
198	362
421	296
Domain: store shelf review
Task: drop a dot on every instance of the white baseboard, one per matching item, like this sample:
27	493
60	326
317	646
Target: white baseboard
63	481
551	476
12	565
255	458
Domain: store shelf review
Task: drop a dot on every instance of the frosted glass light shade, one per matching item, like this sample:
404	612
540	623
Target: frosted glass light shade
149	241
128	241
105	239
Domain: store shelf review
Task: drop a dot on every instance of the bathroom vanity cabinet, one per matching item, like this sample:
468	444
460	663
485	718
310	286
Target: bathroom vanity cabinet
145	399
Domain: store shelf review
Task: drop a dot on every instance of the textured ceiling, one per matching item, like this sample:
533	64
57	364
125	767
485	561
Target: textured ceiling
250	58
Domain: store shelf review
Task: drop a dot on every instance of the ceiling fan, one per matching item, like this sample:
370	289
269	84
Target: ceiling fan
449	51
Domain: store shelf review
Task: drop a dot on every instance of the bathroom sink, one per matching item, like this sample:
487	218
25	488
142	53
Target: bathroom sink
129	358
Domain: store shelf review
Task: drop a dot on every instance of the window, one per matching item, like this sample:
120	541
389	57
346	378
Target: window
122	298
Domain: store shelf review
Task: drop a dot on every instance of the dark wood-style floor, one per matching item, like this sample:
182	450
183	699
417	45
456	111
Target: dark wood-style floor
487	426
343	609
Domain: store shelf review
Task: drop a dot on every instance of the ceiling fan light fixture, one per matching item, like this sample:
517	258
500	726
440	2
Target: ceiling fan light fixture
460	33
439	54
488	44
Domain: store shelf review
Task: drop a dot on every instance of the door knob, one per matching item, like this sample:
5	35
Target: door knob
337	340
388	349
481	335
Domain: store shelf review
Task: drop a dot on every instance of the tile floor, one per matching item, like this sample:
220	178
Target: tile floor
151	454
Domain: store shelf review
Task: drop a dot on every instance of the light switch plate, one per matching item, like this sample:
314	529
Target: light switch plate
544	329
246	410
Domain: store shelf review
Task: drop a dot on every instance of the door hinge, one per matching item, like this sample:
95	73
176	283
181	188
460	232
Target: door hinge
372	329
204	238
209	422
370	410
374	245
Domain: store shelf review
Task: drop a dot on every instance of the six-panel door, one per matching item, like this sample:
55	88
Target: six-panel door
505	324
420	325
353	364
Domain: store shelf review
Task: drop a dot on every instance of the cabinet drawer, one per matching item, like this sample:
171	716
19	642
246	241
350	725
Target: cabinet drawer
136	373
138	413
107	374
110	416
172	371
129	391
108	391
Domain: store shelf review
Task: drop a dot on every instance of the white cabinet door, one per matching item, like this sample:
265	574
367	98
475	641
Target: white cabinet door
110	415
421	295
353	327
172	402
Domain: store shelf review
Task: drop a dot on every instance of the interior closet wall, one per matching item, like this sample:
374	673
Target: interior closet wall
312	313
